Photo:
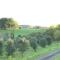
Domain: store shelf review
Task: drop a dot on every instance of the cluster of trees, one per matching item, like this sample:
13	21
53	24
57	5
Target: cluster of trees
6	23
43	39
22	43
10	44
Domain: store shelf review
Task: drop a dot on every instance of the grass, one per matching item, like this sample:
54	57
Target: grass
23	31
31	55
57	57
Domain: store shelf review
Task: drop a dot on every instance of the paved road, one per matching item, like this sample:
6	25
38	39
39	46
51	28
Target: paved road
50	56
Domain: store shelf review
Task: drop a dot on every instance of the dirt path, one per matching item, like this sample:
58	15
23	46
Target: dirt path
50	56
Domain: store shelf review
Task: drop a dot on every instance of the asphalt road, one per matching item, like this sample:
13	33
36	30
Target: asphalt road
50	56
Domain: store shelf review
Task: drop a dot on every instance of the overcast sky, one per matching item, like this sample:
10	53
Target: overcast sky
32	12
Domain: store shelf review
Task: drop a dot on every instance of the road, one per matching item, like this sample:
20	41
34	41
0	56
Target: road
50	56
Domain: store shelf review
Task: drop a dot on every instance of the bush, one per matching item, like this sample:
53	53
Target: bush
1	47
22	45
10	48
43	42
33	43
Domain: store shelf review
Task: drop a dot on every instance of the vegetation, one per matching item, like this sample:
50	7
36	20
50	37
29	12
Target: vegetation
6	23
57	57
26	43
10	48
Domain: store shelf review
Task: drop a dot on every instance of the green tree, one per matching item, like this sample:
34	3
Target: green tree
43	42
50	32
10	48
57	35
33	43
1	47
8	23
49	40
58	27
21	44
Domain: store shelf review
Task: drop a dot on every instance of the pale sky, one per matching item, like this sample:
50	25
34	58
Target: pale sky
32	12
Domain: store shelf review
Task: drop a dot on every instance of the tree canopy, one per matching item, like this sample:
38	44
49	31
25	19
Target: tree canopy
6	23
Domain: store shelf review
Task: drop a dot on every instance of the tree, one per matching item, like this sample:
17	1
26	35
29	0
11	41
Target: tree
57	35
43	42
8	23
5	36
1	47
21	44
10	48
58	27
50	32
48	39
33	43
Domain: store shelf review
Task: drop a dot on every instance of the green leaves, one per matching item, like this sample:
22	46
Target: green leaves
8	23
21	45
10	48
33	43
1	47
57	35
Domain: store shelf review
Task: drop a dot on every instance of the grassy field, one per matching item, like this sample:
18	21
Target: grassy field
31	55
23	31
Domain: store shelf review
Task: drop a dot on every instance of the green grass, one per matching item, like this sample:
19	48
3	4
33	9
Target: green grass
23	31
31	55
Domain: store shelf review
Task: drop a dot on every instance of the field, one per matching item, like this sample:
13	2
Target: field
29	54
24	31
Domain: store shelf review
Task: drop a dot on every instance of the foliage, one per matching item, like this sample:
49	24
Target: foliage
57	35
21	44
1	47
50	31
19	39
33	43
6	23
43	42
10	48
49	40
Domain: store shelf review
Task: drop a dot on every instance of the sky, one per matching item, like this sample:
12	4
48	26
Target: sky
31	12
